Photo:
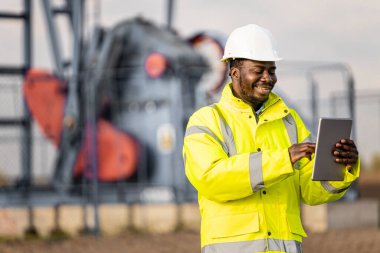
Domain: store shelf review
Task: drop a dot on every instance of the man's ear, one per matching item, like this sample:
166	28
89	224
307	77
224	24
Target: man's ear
235	73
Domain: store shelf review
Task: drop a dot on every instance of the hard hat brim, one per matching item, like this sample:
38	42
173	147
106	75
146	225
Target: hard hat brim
227	59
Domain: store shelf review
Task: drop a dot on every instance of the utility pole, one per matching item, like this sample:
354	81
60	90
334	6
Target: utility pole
170	13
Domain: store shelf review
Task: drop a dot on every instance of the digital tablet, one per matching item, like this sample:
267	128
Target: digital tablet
330	131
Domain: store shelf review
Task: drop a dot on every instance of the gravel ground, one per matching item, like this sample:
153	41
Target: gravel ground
347	241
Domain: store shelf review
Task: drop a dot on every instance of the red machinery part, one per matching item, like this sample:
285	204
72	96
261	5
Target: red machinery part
45	96
117	154
155	65
211	47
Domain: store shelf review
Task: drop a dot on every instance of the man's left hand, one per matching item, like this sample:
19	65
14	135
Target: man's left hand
345	152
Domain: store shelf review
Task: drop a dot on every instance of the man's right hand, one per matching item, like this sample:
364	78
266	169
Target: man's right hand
298	151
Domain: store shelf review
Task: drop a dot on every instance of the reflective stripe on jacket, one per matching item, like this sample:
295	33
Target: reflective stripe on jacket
248	191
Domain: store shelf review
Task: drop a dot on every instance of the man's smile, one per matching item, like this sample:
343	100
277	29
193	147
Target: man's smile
263	88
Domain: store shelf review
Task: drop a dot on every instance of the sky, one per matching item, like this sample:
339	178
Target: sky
316	30
343	31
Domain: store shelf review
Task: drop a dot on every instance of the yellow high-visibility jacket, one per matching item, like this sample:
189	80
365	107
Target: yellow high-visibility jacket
248	191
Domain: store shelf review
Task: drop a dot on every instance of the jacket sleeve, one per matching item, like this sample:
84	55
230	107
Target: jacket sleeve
318	192
222	178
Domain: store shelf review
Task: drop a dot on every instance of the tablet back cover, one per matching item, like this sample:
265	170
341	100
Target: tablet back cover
330	131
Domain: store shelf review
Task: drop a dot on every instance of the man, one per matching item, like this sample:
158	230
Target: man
251	157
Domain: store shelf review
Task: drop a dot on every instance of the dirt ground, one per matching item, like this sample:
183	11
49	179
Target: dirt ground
347	241
351	241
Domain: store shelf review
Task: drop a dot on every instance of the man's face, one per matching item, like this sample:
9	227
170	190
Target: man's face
254	80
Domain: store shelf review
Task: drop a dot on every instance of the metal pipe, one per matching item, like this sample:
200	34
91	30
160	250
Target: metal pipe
26	142
27	126
91	119
28	42
71	116
314	102
69	7
9	15
351	100
61	11
9	70
170	13
53	38
24	122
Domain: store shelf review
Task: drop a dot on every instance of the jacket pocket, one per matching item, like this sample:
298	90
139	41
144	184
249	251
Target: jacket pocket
295	225
234	225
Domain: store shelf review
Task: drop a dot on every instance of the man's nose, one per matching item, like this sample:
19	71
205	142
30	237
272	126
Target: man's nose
266	77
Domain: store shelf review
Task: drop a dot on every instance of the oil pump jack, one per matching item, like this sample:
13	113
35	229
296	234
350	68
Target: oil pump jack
116	111
136	78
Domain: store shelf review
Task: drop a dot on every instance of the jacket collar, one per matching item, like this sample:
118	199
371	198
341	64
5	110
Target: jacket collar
274	107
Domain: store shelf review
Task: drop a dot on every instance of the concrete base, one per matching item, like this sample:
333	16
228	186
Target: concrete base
363	213
164	218
155	218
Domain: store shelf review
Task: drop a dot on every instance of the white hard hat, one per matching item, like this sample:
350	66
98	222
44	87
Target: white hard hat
250	42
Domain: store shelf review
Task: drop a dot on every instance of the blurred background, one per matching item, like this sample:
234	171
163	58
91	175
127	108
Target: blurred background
95	97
